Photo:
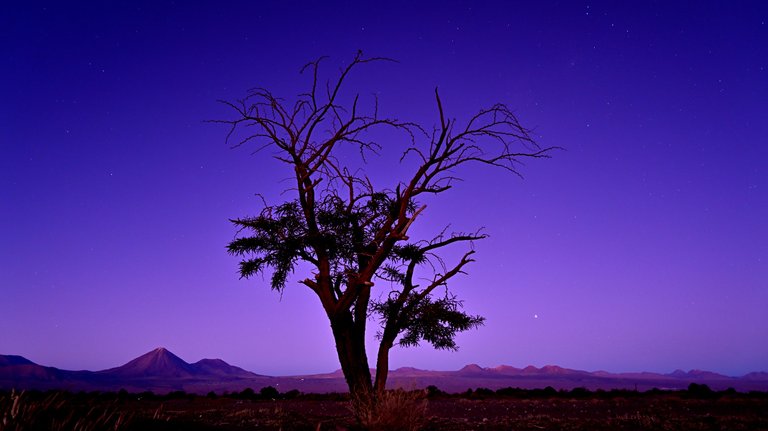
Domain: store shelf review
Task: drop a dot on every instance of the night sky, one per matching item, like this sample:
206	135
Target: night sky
641	246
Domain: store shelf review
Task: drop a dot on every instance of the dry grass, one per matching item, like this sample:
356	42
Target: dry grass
391	410
20	412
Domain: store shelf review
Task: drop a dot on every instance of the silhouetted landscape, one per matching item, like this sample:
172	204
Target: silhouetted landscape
697	407
162	372
383	216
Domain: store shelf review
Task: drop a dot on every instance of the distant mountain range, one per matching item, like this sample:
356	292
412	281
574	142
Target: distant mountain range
158	371
161	371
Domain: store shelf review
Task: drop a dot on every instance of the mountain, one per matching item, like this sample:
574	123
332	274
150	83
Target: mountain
159	363
551	370
219	368
507	370
158	371
472	370
531	377
161	371
19	369
410	372
14	360
760	376
696	374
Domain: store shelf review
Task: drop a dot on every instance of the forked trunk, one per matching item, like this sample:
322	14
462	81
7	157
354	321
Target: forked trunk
350	346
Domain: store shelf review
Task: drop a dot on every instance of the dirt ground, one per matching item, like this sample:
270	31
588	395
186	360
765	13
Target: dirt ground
331	412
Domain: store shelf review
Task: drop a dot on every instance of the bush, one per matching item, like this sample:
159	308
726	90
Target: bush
511	392
580	392
395	410
700	391
293	393
269	393
482	393
434	391
246	394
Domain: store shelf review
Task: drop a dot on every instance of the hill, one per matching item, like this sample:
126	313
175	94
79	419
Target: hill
161	371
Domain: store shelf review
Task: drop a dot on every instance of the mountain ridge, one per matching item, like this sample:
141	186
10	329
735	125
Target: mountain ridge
160	370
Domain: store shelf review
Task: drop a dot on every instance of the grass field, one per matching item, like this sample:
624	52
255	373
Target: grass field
481	409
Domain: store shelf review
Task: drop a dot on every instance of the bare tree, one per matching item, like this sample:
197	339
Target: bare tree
355	236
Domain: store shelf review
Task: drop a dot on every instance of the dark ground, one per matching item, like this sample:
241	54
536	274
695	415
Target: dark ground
523	410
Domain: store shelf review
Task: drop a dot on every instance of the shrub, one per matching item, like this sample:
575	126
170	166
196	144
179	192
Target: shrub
700	391
580	392
549	391
434	391
293	393
395	410
269	393
511	392
247	394
482	393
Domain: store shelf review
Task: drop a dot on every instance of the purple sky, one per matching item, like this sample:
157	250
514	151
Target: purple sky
643	246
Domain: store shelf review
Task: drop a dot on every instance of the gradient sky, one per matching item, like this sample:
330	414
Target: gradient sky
642	246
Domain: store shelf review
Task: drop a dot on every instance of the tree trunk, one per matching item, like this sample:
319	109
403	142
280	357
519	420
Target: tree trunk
382	367
386	343
350	346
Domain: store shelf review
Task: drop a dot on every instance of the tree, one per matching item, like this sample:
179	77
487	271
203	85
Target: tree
355	235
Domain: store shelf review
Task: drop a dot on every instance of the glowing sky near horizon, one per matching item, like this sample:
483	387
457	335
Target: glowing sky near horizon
642	246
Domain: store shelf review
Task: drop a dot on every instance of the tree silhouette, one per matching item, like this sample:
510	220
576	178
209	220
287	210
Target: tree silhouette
355	235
